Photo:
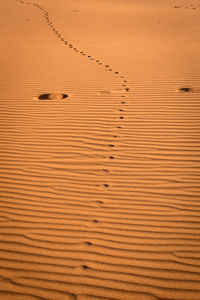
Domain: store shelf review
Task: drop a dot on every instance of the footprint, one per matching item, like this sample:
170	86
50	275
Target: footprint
103	93
185	90
106	170
88	243
188	90
95	221
115	91
52	96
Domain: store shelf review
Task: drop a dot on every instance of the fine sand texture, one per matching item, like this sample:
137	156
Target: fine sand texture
100	150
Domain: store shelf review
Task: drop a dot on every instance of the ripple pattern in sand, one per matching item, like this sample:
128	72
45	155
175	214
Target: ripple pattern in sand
102	201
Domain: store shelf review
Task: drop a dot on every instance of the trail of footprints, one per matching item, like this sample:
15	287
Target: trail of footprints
190	6
107	68
124	90
124	85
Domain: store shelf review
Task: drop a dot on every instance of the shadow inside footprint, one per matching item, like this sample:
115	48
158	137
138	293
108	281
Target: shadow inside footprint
186	89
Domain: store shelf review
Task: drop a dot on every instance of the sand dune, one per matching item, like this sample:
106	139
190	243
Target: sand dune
100	165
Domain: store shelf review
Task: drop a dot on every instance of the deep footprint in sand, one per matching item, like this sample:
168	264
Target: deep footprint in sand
188	90
52	96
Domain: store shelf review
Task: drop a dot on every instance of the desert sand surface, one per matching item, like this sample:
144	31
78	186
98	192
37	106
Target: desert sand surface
100	150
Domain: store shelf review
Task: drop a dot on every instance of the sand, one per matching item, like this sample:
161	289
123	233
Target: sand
100	150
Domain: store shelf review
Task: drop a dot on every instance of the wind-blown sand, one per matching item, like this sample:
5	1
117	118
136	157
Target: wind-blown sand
100	150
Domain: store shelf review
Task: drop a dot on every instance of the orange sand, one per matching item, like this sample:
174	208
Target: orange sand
100	190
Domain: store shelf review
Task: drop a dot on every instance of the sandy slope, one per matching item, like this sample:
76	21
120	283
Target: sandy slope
100	190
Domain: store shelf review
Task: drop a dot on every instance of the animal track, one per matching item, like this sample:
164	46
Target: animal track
89	243
186	7
105	170
85	267
51	25
124	88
